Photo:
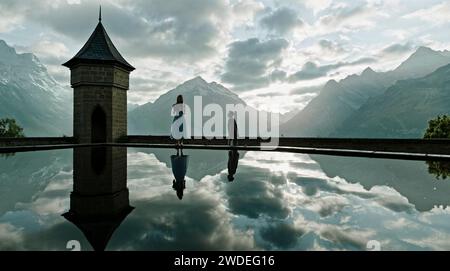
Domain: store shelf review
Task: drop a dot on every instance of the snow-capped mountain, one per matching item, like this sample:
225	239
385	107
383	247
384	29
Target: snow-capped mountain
154	118
338	101
29	94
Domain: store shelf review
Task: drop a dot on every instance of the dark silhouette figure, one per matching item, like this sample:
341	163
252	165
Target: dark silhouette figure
179	186
233	155
233	159
232	129
179	168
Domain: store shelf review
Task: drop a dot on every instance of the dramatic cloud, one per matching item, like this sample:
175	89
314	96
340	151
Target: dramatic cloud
193	29
282	235
328	205
347	238
331	46
435	14
317	5
245	10
281	21
264	208
306	90
252	63
398	49
165	223
261	197
348	17
11	14
144	28
186	38
311	70
10	237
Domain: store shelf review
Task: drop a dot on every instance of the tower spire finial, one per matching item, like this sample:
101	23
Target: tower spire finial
100	14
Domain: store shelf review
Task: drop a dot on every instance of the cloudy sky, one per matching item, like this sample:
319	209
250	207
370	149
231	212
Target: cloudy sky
269	52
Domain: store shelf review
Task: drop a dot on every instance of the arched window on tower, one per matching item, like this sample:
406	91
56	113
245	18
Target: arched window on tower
98	125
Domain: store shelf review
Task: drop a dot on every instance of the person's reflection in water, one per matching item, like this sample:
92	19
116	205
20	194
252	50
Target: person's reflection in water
233	159
179	168
233	155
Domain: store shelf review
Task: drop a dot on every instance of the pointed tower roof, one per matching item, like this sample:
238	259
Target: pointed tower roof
98	230
99	49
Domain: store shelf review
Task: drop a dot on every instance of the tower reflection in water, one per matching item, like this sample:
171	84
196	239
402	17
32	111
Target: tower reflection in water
99	201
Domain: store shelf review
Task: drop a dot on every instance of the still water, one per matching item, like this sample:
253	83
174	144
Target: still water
127	199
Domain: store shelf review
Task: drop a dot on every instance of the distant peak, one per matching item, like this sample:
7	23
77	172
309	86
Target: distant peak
424	49
368	71
197	79
331	83
5	47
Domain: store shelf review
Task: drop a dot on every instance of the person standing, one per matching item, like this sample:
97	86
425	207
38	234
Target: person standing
232	129
177	127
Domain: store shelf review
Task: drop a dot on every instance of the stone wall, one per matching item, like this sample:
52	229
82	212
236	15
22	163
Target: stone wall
430	146
95	74
35	141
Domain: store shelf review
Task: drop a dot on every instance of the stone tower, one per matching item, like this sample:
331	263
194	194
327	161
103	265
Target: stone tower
99	201
100	80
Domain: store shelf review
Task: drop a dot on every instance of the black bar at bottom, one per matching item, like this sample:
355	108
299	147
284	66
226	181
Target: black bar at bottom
292	260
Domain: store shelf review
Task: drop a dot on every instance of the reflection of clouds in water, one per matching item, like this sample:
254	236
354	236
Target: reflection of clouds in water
278	201
319	189
253	195
35	225
281	235
328	205
162	222
282	162
44	205
335	214
10	237
199	222
346	238
54	198
436	227
147	176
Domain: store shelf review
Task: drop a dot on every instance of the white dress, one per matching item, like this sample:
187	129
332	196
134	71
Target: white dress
177	127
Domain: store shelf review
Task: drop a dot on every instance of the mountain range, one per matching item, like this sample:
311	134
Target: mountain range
403	110
154	118
42	106
396	103
339	102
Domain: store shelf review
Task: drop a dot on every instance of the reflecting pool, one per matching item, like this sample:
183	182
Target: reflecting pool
158	199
